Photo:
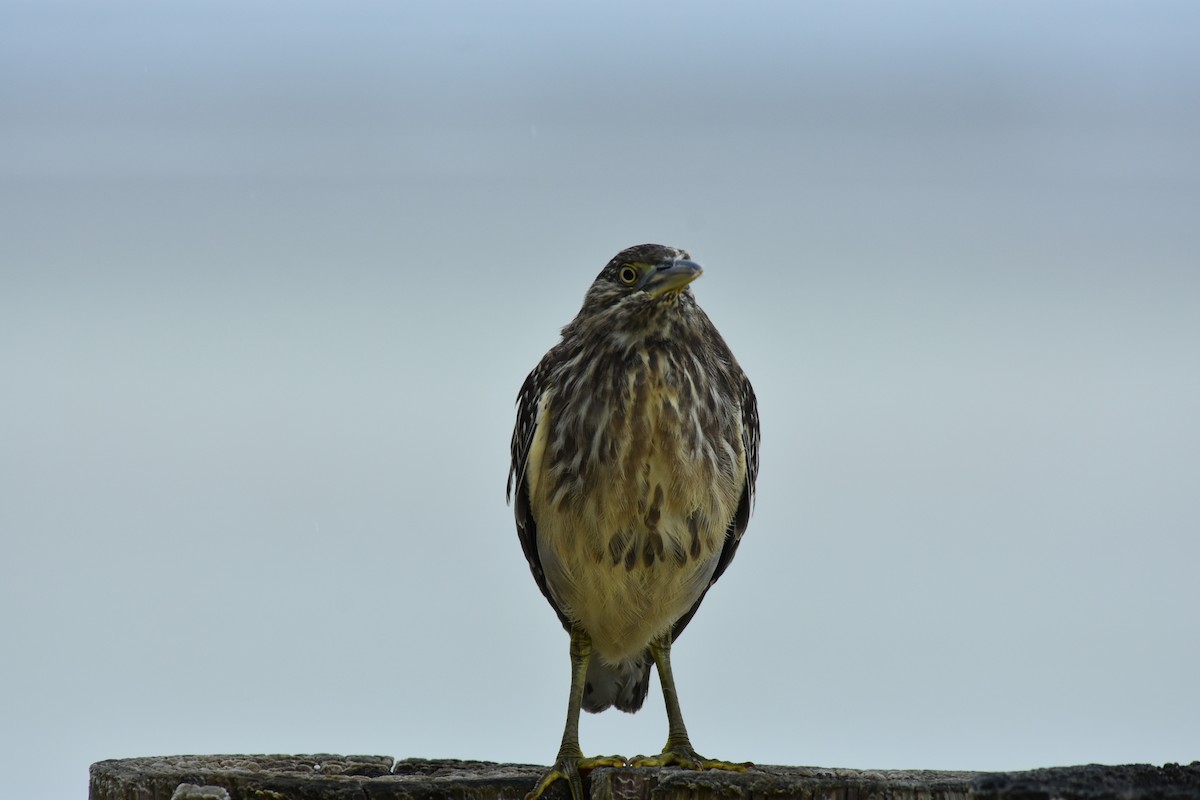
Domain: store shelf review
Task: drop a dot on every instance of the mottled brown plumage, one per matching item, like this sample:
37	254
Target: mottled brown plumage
634	460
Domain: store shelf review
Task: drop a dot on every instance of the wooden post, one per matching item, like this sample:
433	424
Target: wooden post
332	777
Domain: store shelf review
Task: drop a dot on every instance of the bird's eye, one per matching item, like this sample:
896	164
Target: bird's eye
628	275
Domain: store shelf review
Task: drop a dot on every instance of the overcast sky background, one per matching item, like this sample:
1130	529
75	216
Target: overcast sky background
271	275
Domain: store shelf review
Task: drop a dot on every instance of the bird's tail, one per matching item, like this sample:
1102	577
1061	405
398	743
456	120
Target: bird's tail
623	685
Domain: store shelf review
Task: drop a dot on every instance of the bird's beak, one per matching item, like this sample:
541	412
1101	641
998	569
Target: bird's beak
671	277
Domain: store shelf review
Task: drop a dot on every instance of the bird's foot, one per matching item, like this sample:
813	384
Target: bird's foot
682	755
568	768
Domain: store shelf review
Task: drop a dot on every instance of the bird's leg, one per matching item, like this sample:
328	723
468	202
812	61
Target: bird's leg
570	758
679	751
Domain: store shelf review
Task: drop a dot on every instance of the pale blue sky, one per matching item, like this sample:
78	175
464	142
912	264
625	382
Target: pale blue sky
273	273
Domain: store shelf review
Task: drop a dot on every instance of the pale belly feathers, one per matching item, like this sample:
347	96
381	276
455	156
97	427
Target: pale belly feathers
632	508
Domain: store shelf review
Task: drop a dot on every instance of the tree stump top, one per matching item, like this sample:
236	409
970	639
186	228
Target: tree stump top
334	777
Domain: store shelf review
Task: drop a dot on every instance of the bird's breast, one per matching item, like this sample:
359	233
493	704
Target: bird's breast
639	469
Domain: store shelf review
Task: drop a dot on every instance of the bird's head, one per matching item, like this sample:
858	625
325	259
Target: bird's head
641	276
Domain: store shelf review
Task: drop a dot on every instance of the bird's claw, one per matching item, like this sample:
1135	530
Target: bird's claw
687	758
568	768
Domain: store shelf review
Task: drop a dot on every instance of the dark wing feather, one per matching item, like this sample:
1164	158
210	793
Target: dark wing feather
737	526
517	492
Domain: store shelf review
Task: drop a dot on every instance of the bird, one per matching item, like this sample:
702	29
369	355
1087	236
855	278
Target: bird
634	463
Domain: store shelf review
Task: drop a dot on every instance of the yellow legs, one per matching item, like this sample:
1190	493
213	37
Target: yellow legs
570	758
678	751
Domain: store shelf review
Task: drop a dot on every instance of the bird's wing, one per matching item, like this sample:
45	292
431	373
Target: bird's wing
737	526
529	403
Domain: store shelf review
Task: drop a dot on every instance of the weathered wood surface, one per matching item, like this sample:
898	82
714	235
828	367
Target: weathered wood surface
332	777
